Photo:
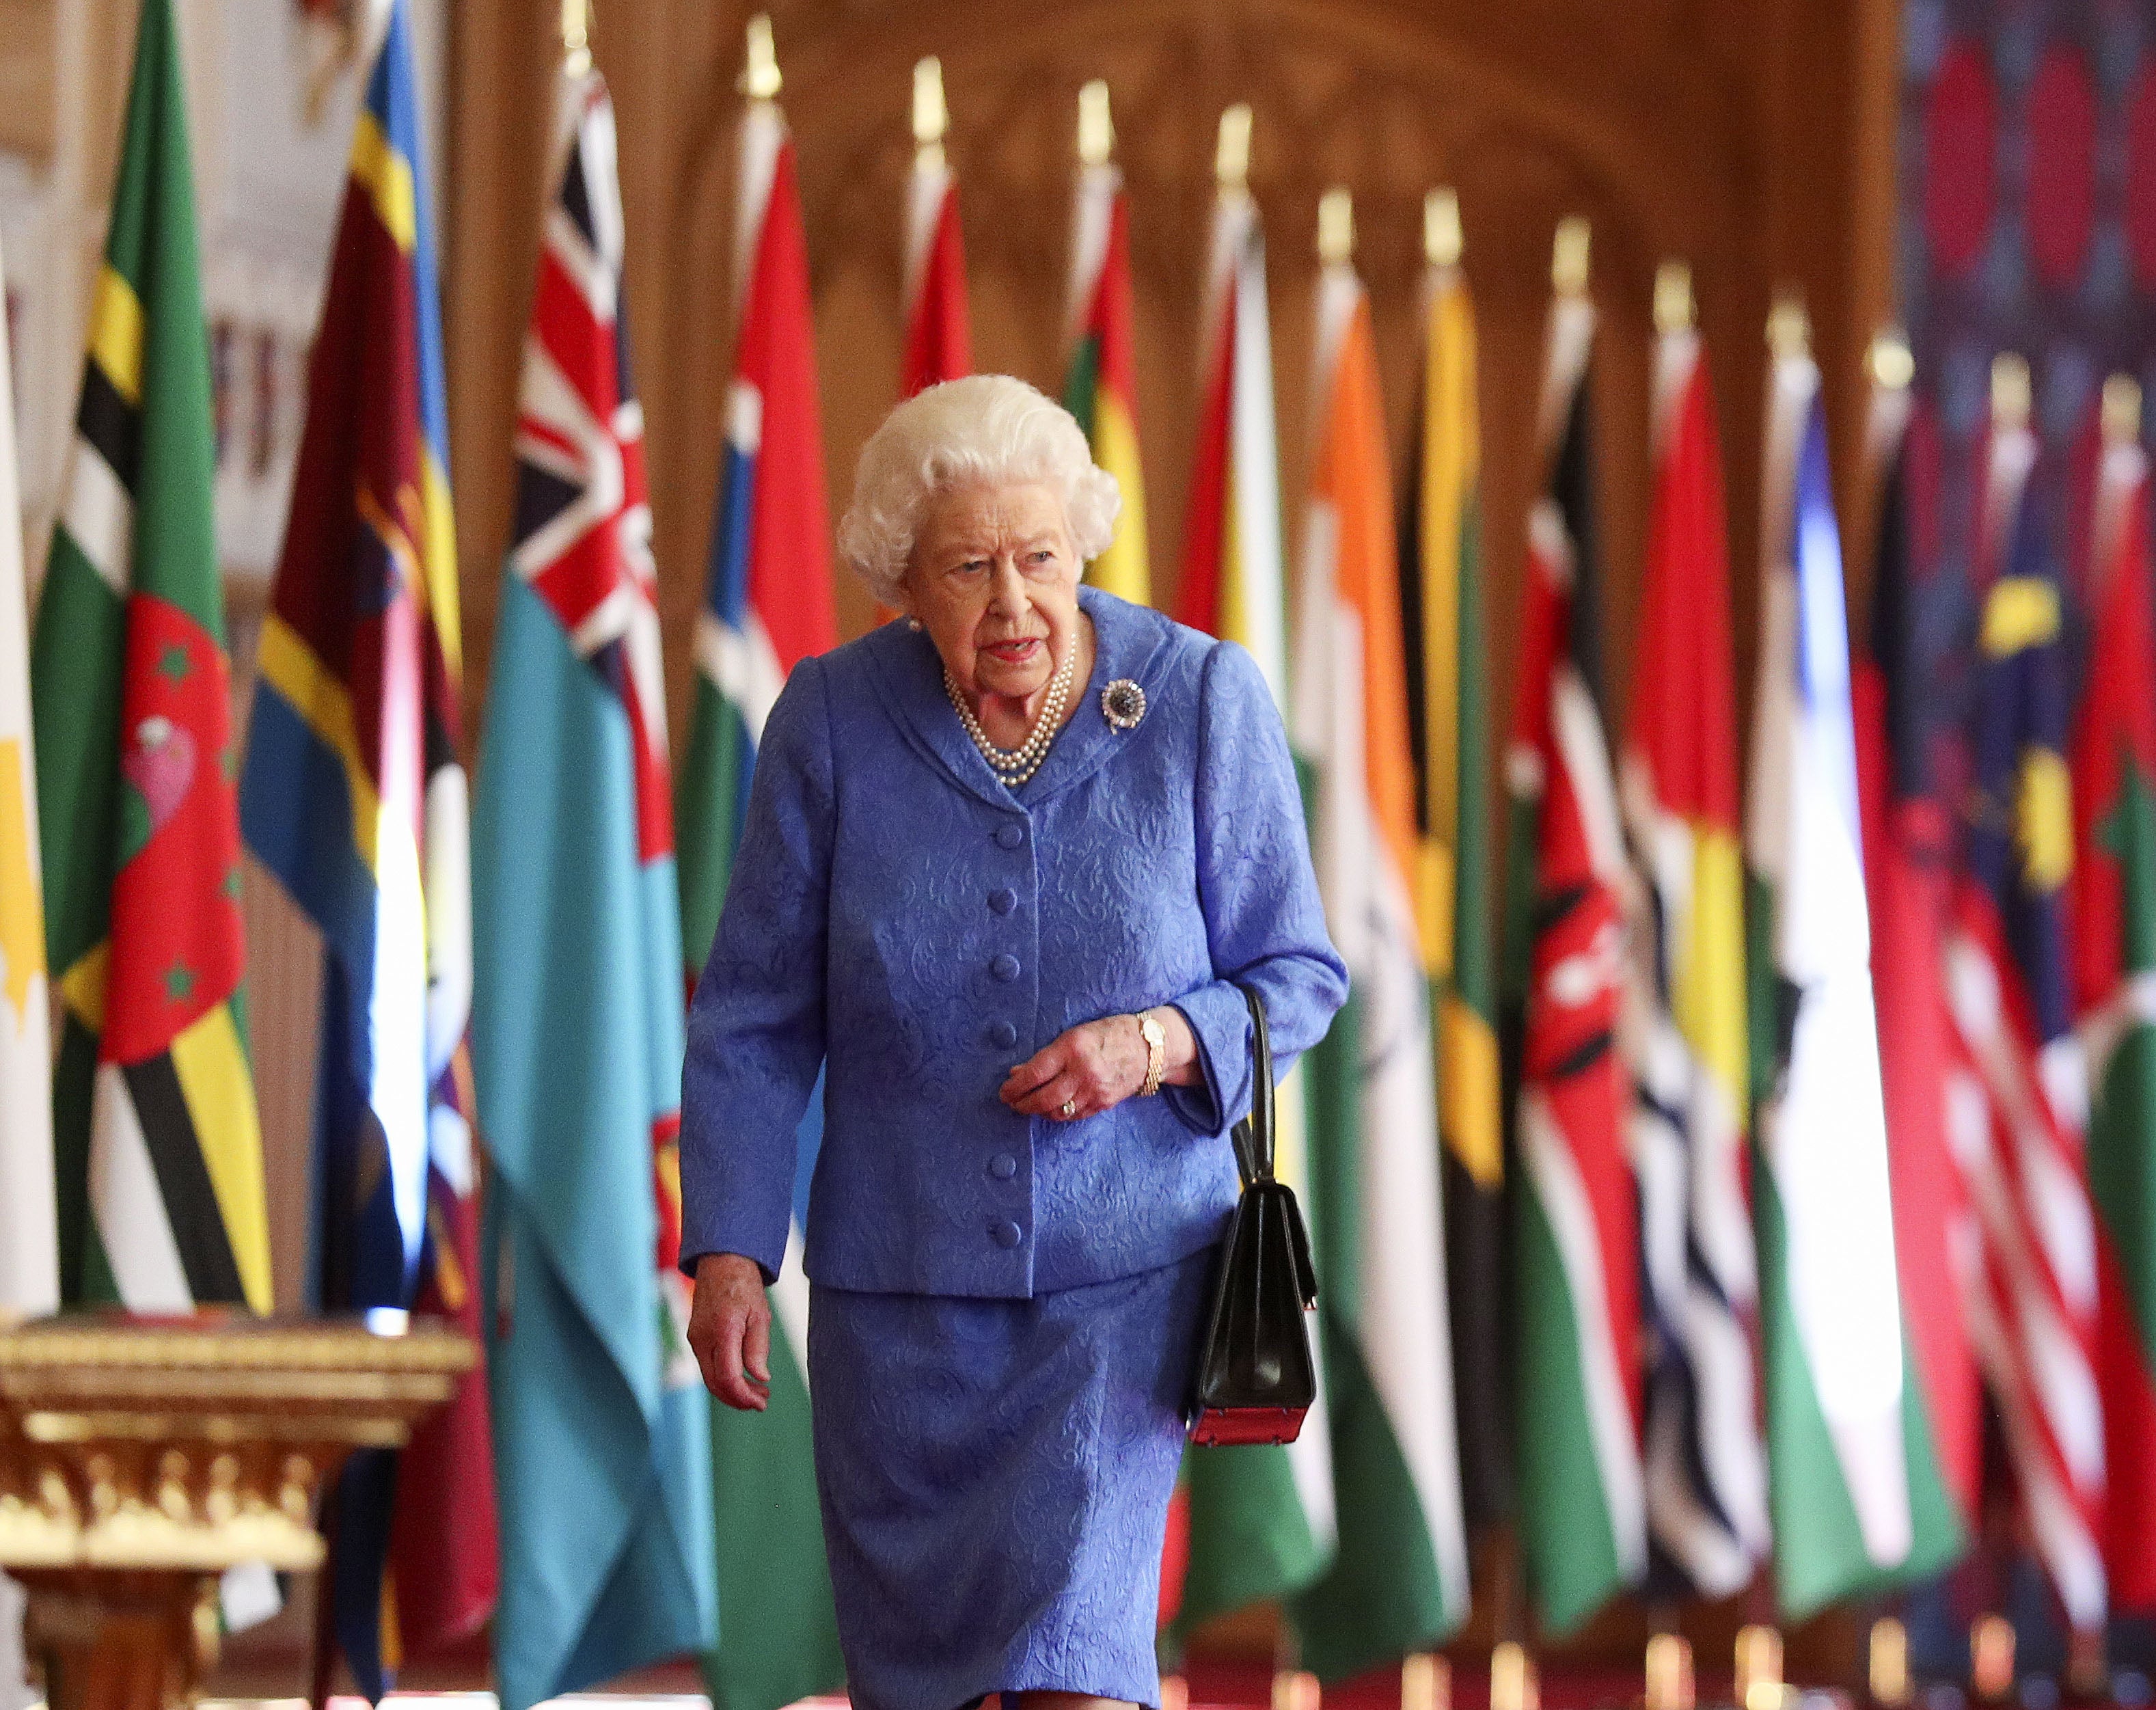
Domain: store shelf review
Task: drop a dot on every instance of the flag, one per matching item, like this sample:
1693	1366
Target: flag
1099	385
2111	898
1907	872
1399	1581
157	1145
2019	1106
354	796
1856	1498
602	1427
1448	731
1257	1521
1575	1219
938	339
29	1236
769	607
1705	1464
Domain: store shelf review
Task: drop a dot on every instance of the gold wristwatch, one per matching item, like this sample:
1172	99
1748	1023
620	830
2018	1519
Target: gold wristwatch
1156	1038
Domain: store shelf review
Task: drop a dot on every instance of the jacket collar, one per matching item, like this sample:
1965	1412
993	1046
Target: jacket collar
909	677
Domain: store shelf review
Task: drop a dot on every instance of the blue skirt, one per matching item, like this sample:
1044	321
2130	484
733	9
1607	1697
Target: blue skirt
995	1477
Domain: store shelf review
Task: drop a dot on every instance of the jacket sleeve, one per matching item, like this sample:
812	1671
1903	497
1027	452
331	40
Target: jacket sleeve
1264	922
756	1025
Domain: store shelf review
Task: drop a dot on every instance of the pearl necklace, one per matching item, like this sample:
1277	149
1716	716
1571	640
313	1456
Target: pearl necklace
1014	766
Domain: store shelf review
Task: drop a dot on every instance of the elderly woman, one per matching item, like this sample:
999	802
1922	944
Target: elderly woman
1004	863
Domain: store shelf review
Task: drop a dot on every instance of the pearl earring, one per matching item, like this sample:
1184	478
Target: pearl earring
914	624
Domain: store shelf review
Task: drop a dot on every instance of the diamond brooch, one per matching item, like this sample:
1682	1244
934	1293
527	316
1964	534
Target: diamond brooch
1123	704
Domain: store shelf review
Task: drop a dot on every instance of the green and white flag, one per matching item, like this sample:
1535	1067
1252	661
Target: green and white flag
1259	1519
1856	1499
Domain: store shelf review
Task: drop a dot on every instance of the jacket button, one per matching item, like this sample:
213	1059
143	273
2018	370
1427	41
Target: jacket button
1003	1166
1004	968
1004	901
1002	1033
1010	834
1005	1234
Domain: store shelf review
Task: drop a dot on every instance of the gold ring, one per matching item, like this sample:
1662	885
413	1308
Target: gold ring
1070	1108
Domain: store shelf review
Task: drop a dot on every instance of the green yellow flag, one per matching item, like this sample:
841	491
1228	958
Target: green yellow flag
159	1152
1449	726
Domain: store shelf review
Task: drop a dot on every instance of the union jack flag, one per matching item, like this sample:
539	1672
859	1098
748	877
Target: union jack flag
584	511
577	1035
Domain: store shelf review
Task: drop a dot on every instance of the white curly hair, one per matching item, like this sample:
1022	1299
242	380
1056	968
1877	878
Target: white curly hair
992	429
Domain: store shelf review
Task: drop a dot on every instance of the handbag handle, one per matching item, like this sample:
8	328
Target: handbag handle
1254	1154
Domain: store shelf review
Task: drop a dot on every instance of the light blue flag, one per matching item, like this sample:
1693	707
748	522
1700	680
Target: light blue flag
602	1428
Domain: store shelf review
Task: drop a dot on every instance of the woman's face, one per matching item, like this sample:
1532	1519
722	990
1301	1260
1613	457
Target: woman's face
994	581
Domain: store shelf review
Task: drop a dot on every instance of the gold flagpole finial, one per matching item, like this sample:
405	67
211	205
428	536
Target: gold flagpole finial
1675	310
1888	1666
1893	365
1759	1652
1335	226
1442	238
2009	391
2122	410
931	117
1096	128
760	80
1669	1684
1512	1683
1231	159
1991	1658
576	37
1568	252
1425	1682
1788	335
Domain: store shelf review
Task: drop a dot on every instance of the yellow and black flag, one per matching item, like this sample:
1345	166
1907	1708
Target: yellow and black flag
159	1150
1448	690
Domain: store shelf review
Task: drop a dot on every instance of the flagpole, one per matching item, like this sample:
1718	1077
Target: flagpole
931	117
760	80
576	37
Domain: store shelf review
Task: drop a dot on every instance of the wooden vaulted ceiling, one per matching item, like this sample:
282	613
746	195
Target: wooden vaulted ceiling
1750	138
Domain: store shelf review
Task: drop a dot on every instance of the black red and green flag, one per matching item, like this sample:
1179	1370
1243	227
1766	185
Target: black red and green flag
157	1142
1575	1217
2114	909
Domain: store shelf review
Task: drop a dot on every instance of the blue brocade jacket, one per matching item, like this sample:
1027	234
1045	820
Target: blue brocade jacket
902	919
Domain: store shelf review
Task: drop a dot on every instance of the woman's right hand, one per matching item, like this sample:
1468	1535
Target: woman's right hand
730	1331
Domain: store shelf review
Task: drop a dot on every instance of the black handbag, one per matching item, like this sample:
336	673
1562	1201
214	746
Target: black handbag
1256	1376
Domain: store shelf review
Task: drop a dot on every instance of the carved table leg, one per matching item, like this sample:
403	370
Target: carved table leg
125	1641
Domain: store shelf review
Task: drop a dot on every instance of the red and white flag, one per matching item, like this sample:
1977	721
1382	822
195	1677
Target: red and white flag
939	343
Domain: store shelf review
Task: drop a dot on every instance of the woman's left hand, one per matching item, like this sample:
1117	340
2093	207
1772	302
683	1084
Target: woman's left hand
1096	1065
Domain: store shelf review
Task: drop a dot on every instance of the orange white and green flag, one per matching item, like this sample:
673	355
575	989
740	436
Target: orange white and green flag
1099	385
1257	1521
1399	1581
